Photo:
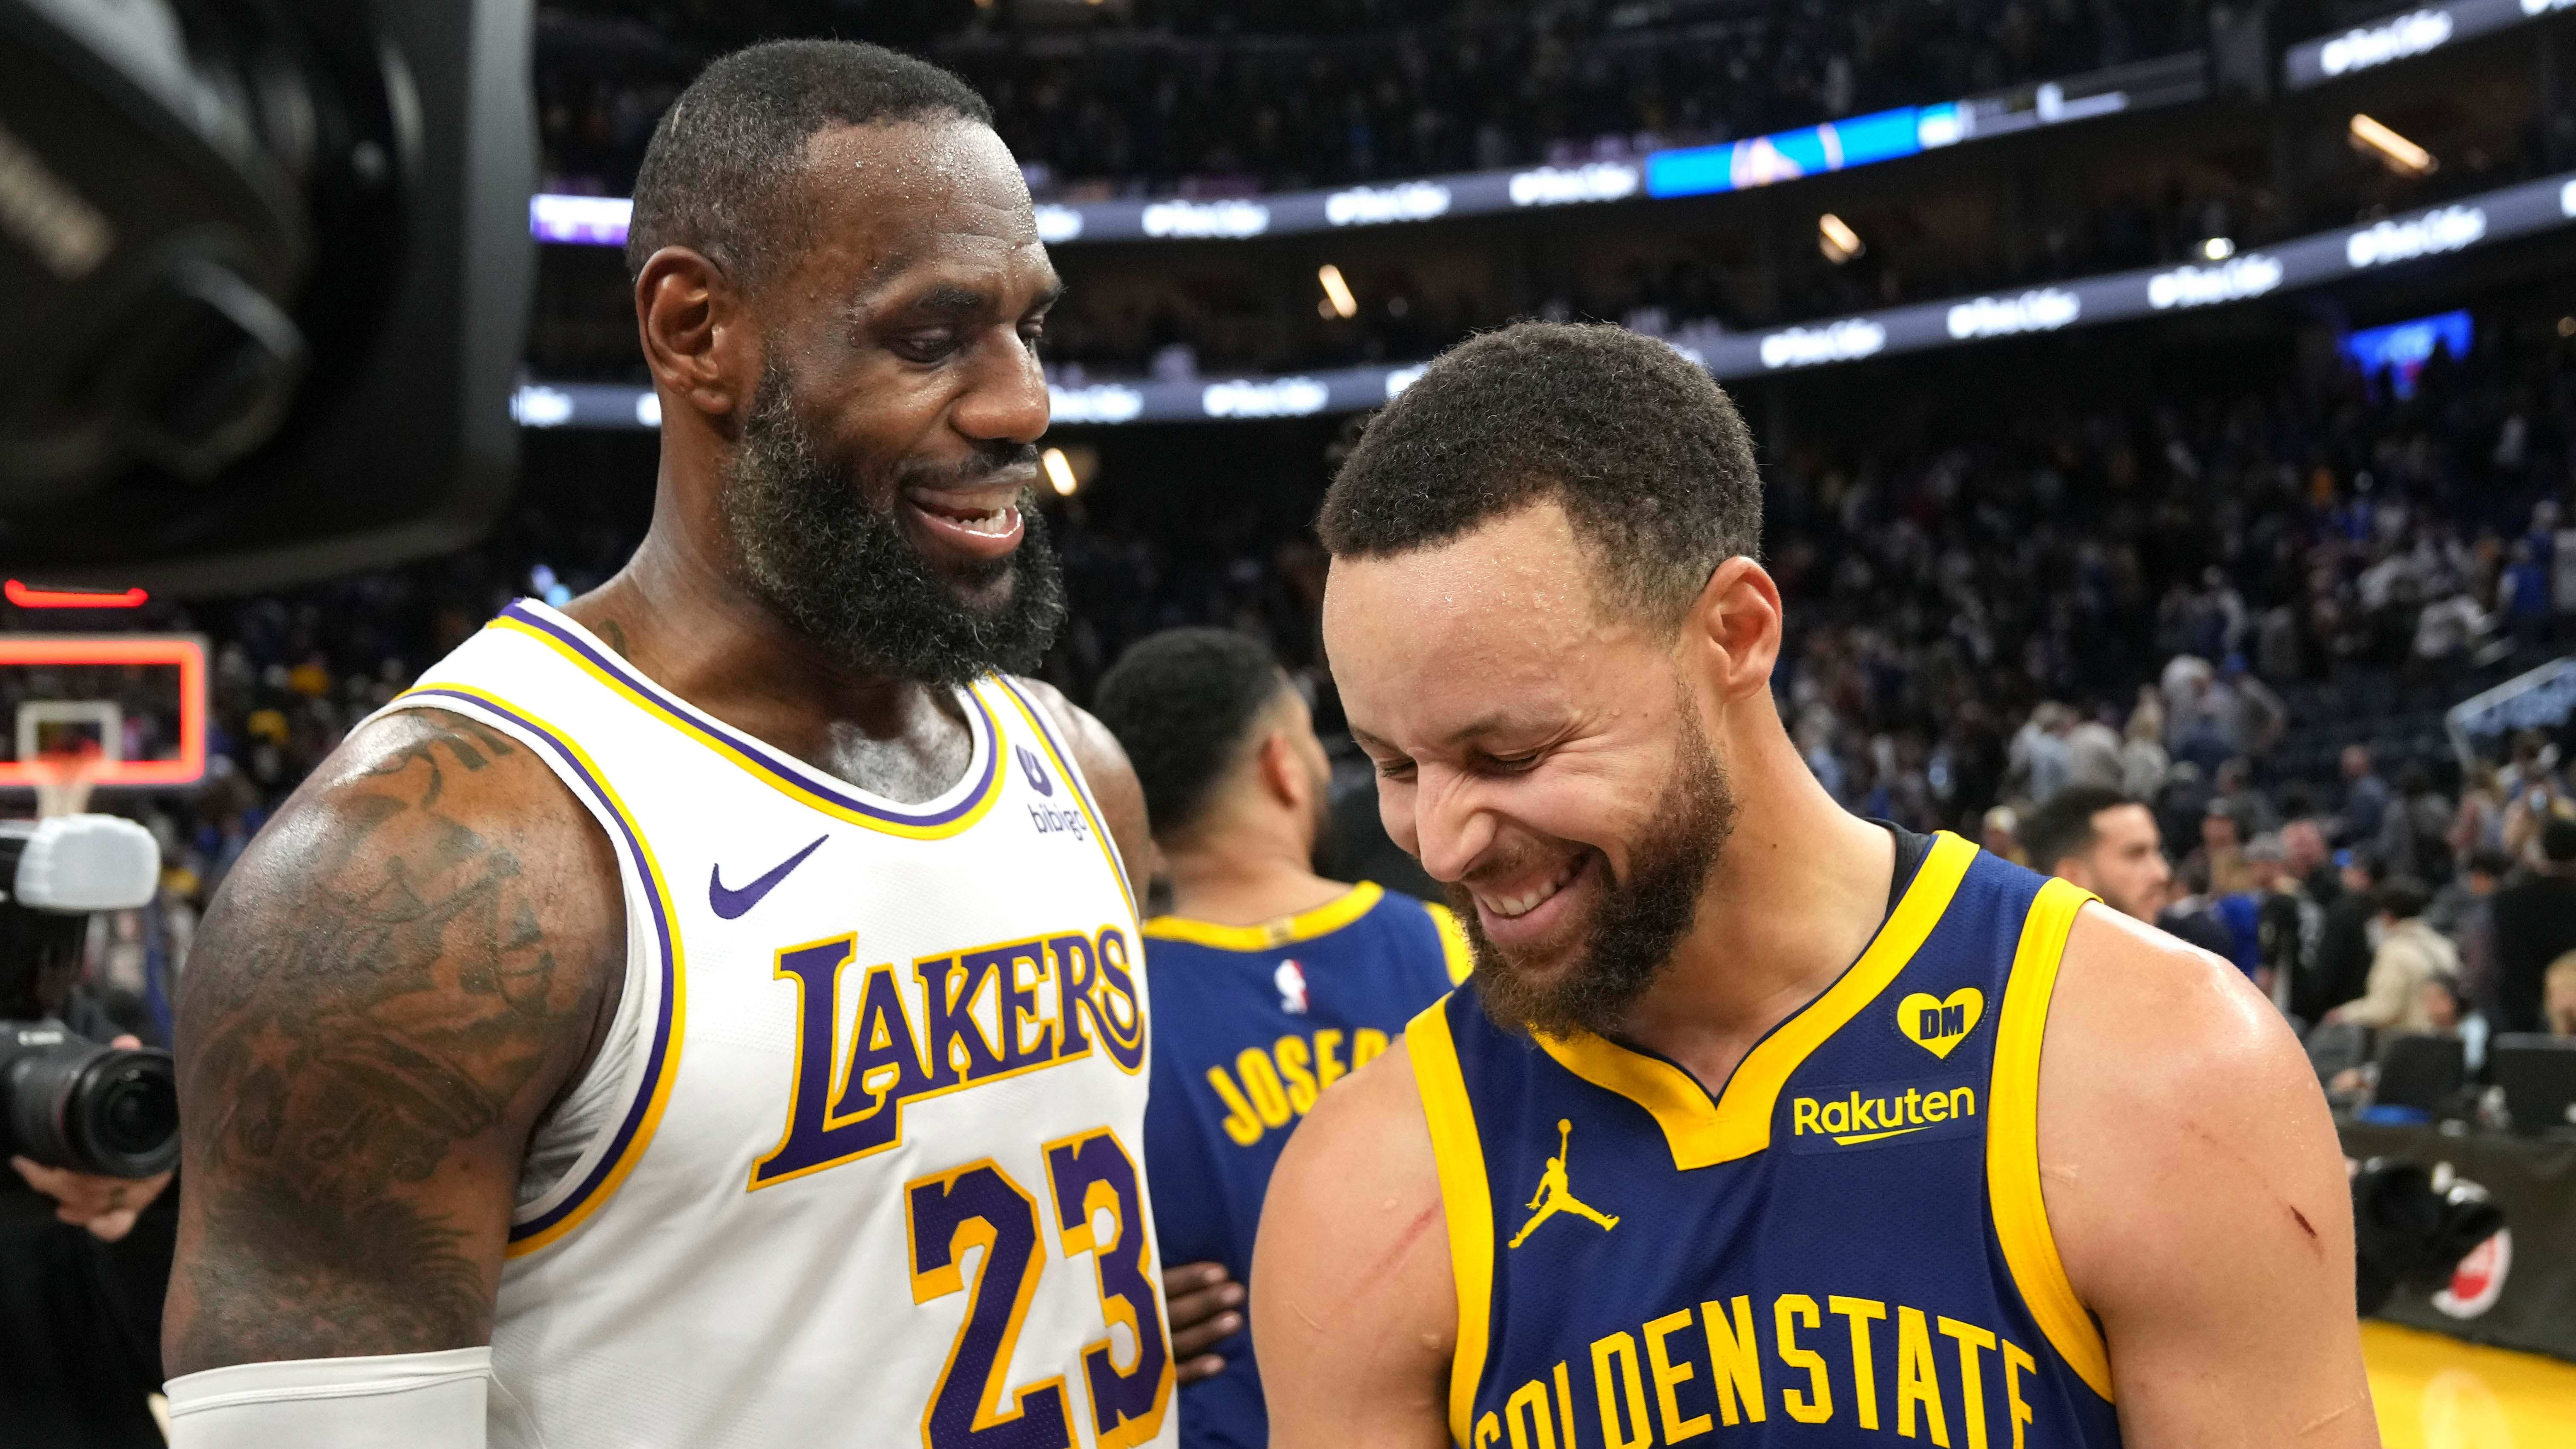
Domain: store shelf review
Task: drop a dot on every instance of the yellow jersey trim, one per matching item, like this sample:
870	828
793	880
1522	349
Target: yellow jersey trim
662	1071
1737	1123
770	766
1306	925
1466	1202
1455	952
2013	1194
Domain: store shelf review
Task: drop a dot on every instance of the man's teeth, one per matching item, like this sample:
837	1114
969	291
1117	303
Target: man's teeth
1523	902
991	521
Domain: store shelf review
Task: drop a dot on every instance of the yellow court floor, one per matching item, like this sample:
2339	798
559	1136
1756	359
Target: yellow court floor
2439	1393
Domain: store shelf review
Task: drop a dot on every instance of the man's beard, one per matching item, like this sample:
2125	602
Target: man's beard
1628	942
808	544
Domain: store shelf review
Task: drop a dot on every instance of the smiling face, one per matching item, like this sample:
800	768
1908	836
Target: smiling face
880	494
1539	753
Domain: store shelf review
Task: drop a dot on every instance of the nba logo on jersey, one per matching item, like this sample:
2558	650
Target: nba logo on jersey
1291	980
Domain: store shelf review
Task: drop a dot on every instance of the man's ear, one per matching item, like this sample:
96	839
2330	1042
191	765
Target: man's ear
695	337
1283	775
1735	624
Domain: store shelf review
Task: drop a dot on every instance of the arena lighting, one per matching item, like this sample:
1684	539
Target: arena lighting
1337	293
1836	239
2404	36
27	597
2217	249
1059	472
2403	156
2567	326
185	652
2320	258
2167	80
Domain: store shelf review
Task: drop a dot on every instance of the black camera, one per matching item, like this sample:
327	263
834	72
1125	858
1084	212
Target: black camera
64	1100
264	276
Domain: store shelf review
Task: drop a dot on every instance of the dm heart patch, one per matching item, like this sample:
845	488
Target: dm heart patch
1939	1023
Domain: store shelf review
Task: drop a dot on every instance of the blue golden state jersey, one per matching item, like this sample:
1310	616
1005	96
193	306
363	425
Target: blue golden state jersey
1250	1023
1843	1246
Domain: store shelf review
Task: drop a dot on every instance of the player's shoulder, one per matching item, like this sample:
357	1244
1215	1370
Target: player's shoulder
2145	1006
419	785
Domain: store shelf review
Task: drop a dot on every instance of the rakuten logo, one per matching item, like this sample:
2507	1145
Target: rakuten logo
1279	397
1099	403
2410	34
2043	310
1561	185
2443	229
1206	218
1853	337
1372	205
2250	275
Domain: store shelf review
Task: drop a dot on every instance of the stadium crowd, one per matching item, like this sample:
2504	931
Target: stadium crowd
1202	98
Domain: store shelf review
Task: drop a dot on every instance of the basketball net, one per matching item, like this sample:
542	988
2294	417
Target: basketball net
63	782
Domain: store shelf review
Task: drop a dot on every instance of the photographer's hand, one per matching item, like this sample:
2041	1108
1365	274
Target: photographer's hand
107	1206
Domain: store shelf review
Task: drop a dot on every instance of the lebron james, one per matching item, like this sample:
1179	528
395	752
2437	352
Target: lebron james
668	1023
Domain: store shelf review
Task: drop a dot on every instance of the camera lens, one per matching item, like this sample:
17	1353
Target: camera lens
134	1108
104	1110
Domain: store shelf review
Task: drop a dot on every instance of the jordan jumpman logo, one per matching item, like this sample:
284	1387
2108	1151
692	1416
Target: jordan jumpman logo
1553	1197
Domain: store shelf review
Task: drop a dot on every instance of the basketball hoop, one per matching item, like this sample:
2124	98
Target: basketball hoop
63	782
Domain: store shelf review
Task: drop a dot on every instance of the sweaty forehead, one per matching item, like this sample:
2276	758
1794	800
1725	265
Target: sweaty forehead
1505	617
875	202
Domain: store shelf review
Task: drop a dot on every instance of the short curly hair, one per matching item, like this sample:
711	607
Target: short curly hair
1647	455
719	174
1182	703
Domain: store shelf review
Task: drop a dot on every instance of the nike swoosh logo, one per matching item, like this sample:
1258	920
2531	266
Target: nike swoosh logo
732	903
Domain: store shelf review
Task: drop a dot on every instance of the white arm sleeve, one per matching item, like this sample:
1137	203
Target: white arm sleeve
388	1401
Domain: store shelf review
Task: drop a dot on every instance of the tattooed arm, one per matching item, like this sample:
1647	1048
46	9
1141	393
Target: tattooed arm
406	969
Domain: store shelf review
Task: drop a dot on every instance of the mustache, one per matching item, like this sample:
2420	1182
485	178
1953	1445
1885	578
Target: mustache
983	467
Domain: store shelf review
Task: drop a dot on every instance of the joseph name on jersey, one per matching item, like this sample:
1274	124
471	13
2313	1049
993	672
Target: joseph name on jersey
859	1162
1845	1244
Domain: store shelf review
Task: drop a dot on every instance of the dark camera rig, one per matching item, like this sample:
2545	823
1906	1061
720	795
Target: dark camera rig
66	1101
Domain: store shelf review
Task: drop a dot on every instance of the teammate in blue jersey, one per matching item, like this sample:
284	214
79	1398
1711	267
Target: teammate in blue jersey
1743	1128
1270	982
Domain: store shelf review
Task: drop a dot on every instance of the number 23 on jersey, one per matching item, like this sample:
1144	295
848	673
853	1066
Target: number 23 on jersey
1097	1205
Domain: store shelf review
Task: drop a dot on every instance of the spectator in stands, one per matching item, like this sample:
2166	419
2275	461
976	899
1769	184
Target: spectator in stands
2538	798
2309	862
2093	756
2365	797
2039	755
2233	787
2286	922
2103	841
2535	924
2558	996
2343	944
2478	824
2001	834
2143	761
2464	911
2191	913
2413	829
2220	856
2410	956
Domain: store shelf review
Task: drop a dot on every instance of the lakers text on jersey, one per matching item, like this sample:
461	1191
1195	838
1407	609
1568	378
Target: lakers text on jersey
1845	1245
1251	1024
858	1163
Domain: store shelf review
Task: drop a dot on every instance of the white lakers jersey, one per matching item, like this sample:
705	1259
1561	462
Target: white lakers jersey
859	1163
